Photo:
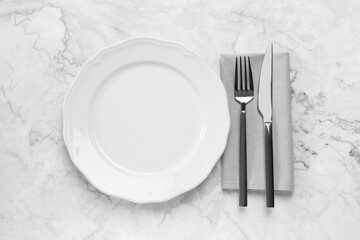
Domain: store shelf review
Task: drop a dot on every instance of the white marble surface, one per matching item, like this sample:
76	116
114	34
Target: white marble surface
42	47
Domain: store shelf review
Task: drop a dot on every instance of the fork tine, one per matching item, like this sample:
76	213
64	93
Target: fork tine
245	88
236	87
241	74
251	83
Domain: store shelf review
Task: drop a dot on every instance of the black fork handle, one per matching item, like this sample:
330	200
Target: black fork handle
243	159
269	165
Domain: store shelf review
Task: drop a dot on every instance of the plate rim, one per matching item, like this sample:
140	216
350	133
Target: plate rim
131	197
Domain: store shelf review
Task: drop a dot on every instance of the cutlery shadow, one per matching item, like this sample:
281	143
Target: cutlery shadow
258	194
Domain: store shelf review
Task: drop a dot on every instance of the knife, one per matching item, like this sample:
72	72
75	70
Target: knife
265	107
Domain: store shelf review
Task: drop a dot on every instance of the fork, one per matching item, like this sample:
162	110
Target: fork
243	94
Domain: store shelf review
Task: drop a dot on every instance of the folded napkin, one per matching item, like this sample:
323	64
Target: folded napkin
282	131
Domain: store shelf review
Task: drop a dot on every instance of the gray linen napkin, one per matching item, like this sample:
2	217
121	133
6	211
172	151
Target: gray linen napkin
282	131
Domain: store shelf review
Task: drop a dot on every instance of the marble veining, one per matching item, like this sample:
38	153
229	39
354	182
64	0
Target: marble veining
43	45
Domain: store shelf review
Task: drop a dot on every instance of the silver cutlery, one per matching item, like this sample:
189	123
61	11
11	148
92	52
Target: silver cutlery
265	107
243	93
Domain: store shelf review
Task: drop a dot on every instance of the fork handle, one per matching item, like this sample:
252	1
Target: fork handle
269	165
243	159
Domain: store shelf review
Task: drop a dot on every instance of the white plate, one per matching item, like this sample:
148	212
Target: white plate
146	120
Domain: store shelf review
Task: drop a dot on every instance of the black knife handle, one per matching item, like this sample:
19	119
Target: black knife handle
269	165
242	160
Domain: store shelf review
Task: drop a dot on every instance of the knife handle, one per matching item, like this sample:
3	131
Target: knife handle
269	165
242	160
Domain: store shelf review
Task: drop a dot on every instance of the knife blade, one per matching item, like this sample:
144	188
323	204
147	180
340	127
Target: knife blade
265	108
265	86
